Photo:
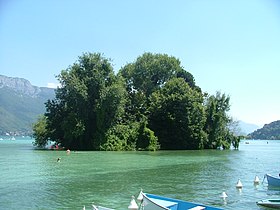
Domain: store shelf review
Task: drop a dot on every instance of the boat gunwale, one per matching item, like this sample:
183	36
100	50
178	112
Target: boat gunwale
182	204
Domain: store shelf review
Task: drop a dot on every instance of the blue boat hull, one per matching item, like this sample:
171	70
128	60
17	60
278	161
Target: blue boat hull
272	180
156	202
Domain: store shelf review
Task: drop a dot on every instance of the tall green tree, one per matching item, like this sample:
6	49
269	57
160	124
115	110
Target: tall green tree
148	74
110	109
176	115
218	121
89	101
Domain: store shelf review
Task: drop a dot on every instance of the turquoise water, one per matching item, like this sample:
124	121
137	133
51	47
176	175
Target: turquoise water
33	179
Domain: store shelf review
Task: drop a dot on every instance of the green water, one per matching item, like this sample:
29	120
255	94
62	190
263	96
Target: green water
33	179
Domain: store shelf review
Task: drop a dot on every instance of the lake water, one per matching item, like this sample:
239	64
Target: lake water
33	179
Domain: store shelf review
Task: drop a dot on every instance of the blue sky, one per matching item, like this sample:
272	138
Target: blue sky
228	46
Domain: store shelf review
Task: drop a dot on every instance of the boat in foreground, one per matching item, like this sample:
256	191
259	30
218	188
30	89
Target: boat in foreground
156	202
273	180
272	203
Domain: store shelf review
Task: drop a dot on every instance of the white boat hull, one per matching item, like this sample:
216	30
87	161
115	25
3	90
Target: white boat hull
272	203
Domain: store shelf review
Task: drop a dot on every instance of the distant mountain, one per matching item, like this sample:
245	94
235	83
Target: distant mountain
246	128
20	104
269	131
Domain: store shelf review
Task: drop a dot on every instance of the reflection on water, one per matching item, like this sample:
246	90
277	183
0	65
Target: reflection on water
34	179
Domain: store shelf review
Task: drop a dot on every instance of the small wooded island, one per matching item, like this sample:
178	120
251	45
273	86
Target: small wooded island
150	104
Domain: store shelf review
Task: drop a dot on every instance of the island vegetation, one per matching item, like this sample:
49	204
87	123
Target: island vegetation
150	104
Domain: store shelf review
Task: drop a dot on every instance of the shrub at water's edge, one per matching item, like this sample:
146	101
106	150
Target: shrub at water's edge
151	104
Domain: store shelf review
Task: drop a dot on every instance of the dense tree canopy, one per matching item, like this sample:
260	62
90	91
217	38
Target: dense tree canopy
148	74
151	104
217	122
89	101
177	116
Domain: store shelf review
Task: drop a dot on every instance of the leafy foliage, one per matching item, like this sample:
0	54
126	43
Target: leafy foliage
148	74
217	122
121	137
177	116
88	103
150	104
40	132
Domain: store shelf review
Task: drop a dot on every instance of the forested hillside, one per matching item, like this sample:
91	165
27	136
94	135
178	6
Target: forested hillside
20	105
269	131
